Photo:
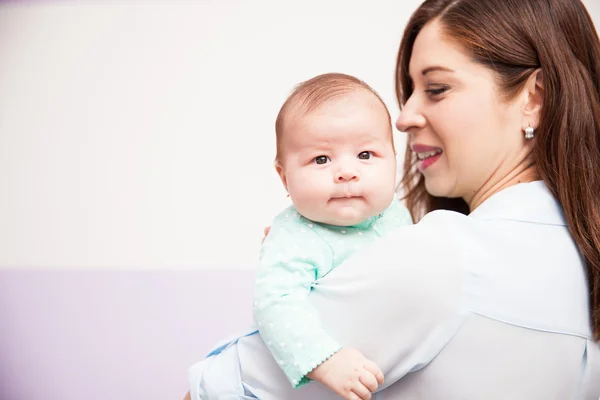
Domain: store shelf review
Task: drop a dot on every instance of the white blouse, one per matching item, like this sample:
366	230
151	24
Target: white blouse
493	305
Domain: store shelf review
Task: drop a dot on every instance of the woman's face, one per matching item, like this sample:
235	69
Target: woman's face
463	133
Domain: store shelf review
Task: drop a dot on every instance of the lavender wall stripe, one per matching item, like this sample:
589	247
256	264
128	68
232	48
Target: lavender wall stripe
113	334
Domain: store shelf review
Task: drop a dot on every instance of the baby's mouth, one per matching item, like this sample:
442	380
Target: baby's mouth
346	193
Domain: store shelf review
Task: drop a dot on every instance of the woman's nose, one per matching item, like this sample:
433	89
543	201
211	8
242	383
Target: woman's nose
410	117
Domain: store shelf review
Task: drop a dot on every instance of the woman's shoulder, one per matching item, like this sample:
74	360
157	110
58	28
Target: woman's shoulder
444	218
500	258
441	233
425	258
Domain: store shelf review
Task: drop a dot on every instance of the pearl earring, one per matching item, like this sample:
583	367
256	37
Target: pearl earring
529	133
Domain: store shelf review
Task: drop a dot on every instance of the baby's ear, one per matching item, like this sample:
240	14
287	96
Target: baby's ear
281	173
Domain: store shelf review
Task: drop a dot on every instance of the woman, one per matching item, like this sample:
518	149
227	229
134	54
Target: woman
495	293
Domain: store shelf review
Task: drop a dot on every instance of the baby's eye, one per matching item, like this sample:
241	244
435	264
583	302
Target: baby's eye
365	155
321	160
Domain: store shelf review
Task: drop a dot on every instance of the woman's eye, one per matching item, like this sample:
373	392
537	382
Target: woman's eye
365	155
436	91
321	160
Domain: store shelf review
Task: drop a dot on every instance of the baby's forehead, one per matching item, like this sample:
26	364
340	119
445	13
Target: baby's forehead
302	108
338	123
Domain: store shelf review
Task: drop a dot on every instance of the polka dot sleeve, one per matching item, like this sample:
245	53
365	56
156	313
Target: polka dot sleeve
291	258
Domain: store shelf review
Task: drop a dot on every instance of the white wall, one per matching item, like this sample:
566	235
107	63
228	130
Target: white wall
140	134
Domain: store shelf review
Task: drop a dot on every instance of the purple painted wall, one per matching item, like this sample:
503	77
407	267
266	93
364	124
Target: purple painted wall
113	334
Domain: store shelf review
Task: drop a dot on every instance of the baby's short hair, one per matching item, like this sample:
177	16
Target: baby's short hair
310	94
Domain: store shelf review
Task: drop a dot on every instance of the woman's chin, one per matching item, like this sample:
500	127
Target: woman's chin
440	188
435	189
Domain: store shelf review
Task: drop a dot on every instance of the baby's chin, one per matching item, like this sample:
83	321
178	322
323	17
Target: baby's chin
343	217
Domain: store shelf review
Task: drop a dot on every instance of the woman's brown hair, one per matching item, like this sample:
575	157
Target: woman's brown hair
514	38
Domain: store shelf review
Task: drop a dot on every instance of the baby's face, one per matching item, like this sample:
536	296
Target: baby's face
338	161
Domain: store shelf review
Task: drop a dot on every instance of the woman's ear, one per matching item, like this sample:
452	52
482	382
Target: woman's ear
534	91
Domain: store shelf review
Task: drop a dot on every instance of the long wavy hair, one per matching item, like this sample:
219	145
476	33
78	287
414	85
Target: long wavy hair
514	38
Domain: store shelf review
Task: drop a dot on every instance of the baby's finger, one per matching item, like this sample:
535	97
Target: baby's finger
266	231
374	369
361	391
368	380
351	396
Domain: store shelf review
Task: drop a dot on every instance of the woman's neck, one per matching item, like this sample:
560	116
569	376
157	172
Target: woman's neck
525	171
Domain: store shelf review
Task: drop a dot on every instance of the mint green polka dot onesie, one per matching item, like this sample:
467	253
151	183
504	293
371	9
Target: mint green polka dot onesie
296	253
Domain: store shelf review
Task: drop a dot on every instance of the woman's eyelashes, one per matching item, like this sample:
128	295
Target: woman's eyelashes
436	90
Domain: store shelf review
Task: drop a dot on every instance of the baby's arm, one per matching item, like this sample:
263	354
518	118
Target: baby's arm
290	260
293	256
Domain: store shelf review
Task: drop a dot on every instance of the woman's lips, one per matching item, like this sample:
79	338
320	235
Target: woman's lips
426	155
428	162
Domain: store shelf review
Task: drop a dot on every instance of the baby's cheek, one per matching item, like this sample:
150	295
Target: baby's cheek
379	179
380	190
309	193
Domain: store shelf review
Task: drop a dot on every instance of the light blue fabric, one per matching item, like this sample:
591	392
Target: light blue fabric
219	377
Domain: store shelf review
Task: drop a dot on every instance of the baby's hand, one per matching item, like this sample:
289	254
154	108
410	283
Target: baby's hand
267	229
349	374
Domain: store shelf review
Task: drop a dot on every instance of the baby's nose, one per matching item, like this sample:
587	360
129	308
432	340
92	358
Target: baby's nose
346	176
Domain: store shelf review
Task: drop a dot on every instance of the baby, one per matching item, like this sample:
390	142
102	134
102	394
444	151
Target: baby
336	159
